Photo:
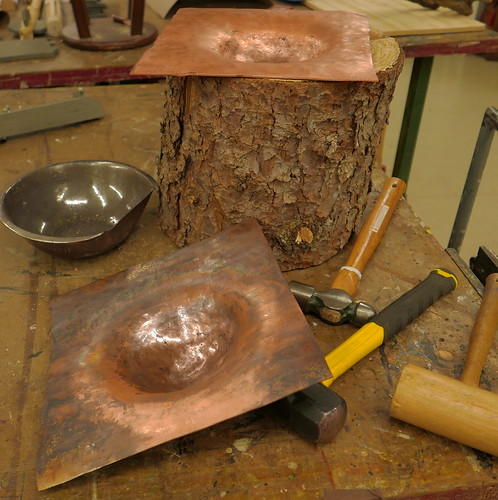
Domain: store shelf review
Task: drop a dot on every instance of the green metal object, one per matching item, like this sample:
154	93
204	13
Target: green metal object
412	117
49	116
18	50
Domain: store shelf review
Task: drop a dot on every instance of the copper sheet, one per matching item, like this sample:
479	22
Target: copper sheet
284	44
169	347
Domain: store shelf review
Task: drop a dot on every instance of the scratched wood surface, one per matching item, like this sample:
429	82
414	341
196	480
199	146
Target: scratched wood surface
254	455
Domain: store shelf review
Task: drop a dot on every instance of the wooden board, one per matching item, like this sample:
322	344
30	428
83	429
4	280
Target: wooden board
402	17
252	456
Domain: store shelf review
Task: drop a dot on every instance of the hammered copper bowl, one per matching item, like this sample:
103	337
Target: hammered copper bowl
77	209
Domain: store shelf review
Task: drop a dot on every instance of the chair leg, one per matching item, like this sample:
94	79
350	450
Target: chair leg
81	17
136	13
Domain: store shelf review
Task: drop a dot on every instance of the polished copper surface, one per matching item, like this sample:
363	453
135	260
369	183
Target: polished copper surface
77	209
169	347
282	44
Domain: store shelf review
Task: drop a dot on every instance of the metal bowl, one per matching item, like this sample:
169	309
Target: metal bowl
77	209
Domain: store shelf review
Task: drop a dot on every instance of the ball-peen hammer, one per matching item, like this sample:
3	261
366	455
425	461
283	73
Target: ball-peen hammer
336	305
318	413
456	409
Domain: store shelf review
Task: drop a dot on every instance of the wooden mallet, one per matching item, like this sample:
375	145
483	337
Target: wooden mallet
456	409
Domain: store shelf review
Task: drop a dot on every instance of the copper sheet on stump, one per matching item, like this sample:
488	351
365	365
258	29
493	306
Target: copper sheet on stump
257	43
170	347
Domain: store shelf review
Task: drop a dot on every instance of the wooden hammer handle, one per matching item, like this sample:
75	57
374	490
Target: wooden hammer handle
348	278
483	333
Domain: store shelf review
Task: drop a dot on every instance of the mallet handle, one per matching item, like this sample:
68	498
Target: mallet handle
483	333
348	278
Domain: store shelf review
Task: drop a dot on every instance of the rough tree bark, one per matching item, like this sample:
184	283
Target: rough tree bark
295	155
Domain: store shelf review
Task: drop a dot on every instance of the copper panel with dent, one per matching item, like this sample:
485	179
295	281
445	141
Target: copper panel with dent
256	43
169	347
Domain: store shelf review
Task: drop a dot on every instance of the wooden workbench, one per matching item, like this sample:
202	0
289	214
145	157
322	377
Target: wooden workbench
79	67
73	66
254	455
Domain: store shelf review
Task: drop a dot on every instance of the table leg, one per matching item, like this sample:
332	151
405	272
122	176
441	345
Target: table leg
414	106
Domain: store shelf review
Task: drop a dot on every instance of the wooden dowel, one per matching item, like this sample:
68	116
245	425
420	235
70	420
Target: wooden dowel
54	18
483	333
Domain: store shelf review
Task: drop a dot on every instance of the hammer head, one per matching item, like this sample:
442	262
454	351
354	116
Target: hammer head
334	306
447	407
316	413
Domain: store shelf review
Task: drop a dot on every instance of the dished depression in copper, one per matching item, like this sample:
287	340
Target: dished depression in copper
267	47
261	43
164	350
169	347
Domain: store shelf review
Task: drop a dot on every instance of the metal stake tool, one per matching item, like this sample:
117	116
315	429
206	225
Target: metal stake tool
488	126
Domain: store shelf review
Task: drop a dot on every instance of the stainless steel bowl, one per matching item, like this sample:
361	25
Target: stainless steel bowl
77	209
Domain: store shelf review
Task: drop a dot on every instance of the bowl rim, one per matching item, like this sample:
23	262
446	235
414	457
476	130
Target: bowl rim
7	221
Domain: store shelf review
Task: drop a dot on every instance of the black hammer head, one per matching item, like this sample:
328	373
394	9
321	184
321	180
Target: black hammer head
317	413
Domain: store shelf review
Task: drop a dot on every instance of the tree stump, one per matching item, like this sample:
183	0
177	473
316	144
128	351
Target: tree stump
296	155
